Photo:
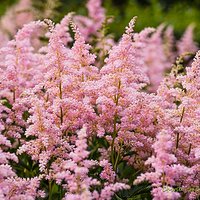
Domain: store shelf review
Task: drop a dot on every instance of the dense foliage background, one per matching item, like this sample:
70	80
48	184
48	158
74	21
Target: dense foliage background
179	13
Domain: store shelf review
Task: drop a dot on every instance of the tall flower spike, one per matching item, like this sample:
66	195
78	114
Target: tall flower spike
21	61
129	28
50	24
169	43
95	11
91	24
164	170
180	93
156	64
186	43
80	50
123	56
74	171
61	30
57	50
82	47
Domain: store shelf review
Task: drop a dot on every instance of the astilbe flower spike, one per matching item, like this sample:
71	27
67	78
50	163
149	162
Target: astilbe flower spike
169	44
74	171
164	173
156	66
120	99
91	24
186	43
179	93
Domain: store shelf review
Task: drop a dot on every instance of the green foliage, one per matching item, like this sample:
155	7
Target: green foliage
6	103
179	14
137	192
26	168
150	13
53	190
26	115
5	4
123	170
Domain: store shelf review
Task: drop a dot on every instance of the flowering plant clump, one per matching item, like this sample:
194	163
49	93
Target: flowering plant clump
83	117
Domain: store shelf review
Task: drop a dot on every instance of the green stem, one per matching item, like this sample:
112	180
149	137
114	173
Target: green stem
116	100
14	95
178	134
113	141
60	90
189	150
61	115
60	95
117	159
177	140
183	111
163	179
50	188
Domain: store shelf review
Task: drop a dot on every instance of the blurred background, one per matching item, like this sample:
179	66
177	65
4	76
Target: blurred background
151	13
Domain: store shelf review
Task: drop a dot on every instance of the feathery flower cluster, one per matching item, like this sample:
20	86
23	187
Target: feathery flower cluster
82	124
